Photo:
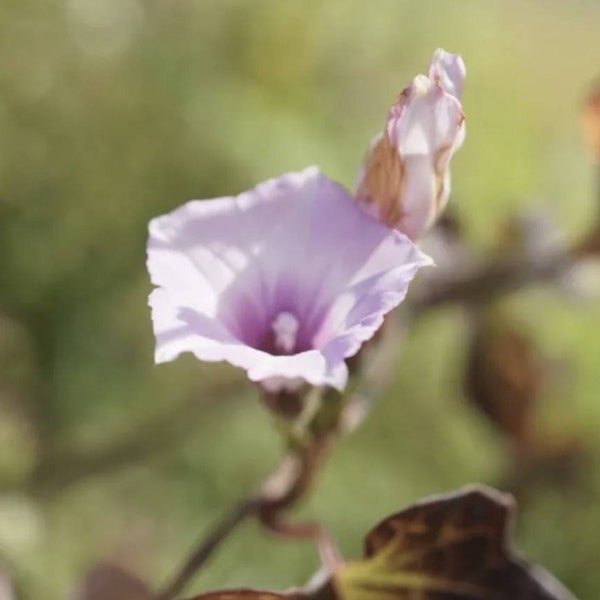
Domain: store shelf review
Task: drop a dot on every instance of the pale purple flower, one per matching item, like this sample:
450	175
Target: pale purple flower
405	178
286	280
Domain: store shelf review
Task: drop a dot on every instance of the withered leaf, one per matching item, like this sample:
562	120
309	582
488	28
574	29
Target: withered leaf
504	376
110	582
452	547
246	594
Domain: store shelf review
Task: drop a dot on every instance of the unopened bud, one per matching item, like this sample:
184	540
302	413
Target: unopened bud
448	71
405	178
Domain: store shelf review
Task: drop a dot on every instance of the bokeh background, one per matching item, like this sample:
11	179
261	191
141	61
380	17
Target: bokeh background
114	111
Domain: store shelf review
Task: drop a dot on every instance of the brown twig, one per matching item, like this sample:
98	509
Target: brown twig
303	466
328	549
288	483
228	523
481	284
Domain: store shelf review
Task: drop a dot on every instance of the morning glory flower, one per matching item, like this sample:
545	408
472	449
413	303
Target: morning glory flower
405	178
286	280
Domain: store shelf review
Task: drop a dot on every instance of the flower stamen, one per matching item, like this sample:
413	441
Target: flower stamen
285	329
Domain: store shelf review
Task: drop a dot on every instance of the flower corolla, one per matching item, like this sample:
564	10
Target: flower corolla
286	280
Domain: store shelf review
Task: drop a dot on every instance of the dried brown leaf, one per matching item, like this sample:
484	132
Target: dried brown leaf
504	377
452	547
245	594
110	582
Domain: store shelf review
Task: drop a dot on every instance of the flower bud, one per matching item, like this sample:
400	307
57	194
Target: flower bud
405	178
448	71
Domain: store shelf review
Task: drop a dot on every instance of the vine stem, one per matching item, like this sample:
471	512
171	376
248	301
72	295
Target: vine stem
288	483
236	515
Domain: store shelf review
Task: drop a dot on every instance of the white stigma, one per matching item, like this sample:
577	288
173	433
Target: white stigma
285	327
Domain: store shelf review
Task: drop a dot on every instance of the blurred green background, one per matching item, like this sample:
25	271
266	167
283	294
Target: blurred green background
114	111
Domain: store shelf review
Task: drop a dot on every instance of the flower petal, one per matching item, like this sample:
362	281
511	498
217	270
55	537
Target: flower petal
448	71
374	291
425	121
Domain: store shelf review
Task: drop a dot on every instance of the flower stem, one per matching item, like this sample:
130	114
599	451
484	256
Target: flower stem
288	483
236	515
